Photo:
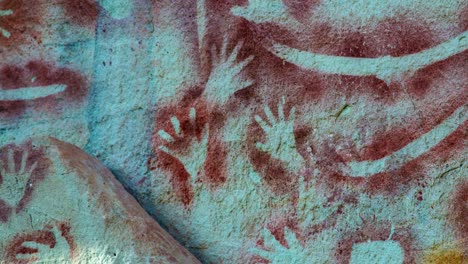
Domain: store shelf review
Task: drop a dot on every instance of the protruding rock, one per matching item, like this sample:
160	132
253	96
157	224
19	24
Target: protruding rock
60	205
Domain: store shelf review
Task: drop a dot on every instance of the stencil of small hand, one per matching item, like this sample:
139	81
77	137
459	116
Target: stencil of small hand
14	179
194	156
226	76
280	142
276	253
45	253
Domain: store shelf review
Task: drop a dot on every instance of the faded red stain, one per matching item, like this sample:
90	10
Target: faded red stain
5	211
301	9
37	74
82	12
65	232
22	24
463	18
420	85
277	225
215	167
208	120
268	68
36	155
421	188
11	109
375	232
449	148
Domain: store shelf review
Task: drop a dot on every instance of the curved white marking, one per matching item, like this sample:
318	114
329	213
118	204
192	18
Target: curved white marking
31	93
410	151
386	68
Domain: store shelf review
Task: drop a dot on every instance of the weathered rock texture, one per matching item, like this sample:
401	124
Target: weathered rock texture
283	131
46	53
60	205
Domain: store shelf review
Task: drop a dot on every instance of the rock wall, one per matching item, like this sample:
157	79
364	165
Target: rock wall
282	131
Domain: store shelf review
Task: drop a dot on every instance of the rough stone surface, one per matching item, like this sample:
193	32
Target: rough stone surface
46	53
282	131
60	205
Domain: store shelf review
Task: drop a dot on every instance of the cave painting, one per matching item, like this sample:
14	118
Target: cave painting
276	252
21	168
280	143
21	21
321	132
39	86
329	117
39	246
200	118
33	79
42	82
387	68
17	22
60	205
396	67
